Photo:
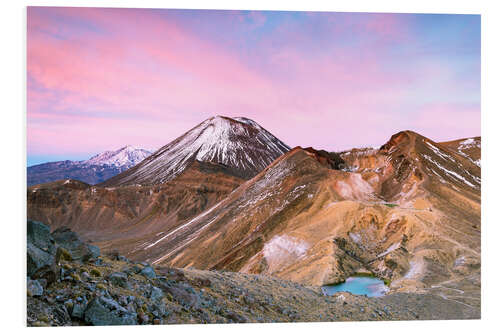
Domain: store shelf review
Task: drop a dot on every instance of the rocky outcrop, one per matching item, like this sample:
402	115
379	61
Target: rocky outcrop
41	250
328	159
71	242
106	311
87	294
34	288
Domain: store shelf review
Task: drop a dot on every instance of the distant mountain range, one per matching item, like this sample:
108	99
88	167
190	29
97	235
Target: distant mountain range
92	171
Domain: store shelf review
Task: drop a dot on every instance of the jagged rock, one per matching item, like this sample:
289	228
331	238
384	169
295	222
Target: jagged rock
37	258
106	311
78	311
149	272
40	247
93	252
156	294
69	305
49	273
39	235
119	279
34	288
70	241
61	315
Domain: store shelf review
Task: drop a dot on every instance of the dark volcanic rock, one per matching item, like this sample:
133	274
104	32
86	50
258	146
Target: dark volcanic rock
329	159
119	279
106	311
74	245
37	258
149	272
156	294
34	288
49	273
39	236
40	247
78	311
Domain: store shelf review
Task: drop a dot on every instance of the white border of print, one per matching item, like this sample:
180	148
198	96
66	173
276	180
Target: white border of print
13	152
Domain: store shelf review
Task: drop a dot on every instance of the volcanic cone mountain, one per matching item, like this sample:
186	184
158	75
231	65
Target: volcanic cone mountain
239	144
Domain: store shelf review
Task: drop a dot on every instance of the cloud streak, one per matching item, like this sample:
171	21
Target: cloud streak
102	78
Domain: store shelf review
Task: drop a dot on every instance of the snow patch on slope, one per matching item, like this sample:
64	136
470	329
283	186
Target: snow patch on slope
468	144
283	249
451	173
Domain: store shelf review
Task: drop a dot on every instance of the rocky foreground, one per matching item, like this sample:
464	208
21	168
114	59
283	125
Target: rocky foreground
71	284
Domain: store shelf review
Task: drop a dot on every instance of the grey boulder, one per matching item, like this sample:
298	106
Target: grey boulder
105	311
40	247
119	279
79	250
149	272
34	288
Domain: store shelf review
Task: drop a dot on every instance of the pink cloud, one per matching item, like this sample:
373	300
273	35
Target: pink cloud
102	78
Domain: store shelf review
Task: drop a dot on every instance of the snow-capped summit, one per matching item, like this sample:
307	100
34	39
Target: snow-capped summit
238	143
92	171
127	156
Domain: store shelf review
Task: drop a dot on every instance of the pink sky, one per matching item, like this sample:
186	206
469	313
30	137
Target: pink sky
99	79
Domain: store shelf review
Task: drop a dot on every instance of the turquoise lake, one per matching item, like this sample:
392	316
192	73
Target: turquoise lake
369	286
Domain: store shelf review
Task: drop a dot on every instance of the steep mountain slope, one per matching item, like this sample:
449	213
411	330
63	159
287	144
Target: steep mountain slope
411	215
92	171
469	148
240	144
125	215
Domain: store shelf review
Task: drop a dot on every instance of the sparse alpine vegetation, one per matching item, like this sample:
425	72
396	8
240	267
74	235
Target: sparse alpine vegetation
113	290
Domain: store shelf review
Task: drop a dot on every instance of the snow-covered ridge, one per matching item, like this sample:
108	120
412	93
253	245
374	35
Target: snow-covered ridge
127	157
468	144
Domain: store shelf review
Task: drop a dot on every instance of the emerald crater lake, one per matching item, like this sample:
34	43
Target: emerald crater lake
358	285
